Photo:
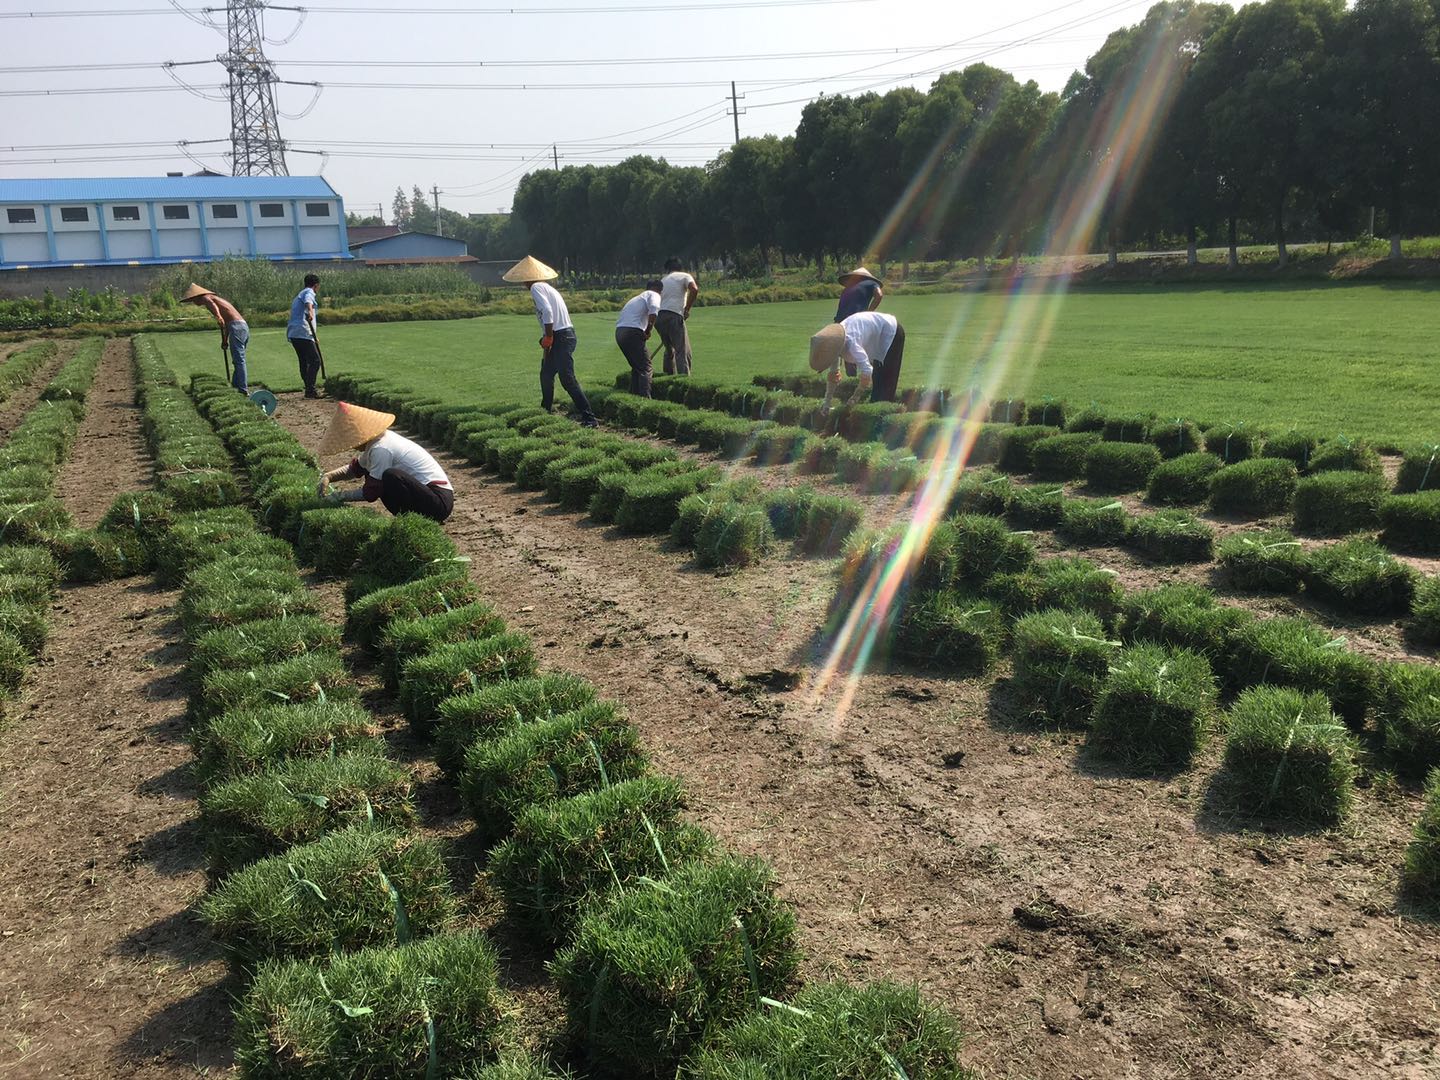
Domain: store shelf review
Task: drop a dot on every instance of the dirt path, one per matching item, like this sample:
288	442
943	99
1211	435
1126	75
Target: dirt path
14	408
109	456
1078	922
104	972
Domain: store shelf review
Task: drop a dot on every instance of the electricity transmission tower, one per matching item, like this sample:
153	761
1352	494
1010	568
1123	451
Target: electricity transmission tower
254	127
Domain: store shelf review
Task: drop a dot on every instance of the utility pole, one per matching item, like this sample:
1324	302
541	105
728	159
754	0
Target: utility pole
735	110
435	194
555	154
255	142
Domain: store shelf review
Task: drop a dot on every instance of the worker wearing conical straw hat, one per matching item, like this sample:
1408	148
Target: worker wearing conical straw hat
557	336
400	473
234	330
874	342
862	292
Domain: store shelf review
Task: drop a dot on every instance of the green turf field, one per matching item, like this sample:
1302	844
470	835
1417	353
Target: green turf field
1357	359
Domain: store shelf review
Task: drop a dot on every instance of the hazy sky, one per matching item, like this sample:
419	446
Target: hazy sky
555	79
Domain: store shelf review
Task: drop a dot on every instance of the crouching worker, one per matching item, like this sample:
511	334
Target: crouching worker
874	342
398	472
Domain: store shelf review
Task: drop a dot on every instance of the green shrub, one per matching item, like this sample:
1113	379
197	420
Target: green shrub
1268	561
1338	502
260	641
1154	707
652	971
1295	652
734	534
561	854
1176	438
1061	658
426	681
243	742
300	800
1035	506
1183	480
1062	457
828	524
1255	488
408	547
493	711
1412	522
1120	466
316	676
371	614
1092	523
1359	575
404	639
1232	443
1407	709
331	539
1065	582
1172	536
950	631
1425	624
981	491
1293	446
547	760
1017	448
1421	876
831	1031
1288	756
1182	617
347	890
1134	428
1348	455
1419	470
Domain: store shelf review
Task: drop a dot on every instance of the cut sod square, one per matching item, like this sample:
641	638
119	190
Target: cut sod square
1036	506
561	854
1289	757
578	484
1359	575
331	539
1182	617
1183	480
15	660
1047	412
248	741
981	491
1131	428
404	639
1068	582
1419	470
655	969
1293	446
30	561
547	760
1424	625
1338	502
1421	875
858	461
1061	658
780	445
1009	411
459	667
531	470
1265	561
1232	443
349	889
371	614
1296	652
950	631
1348	455
300	800
1154	707
1090	418
1172	536
1093	523
408	547
1017	450
280	597
984	546
733	535
1407	711
1259	487
789	510
316	676
895	472
831	1031
1062	457
649	504
822	456
573	460
1412	522
261	641
493	711
1176	438
693	511
829	523
1120	466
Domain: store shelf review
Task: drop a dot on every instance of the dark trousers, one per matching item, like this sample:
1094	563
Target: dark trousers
402	492
887	372
670	325
309	356
632	344
560	360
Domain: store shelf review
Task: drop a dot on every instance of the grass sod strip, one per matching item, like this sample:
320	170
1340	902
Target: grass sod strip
1267	561
1296	652
332	538
829	523
426	681
1176	438
1066	581
1424	626
259	641
404	639
1345	454
1172	536
493	711
950	631
1182	617
367	617
1115	467
244	742
25	621
202	610
1154	708
1294	446
1335	503
22	366
31	561
354	888
316	676
733	534
984	546
1126	428
1287	756
1359	575
1421	874
1232	443
407	548
299	800
426	1008
562	854
1418	470
1183	480
656	967
831	1031
1092	523
1017	446
547	760
1412	522
1061	659
1260	487
1408	716
1036	506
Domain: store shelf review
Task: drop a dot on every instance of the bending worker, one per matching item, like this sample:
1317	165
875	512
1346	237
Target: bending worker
234	330
862	292
632	331
398	472
301	332
678	291
874	342
557	336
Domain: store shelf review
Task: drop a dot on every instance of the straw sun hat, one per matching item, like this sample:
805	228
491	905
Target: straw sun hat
825	346
530	269
194	292
351	426
858	273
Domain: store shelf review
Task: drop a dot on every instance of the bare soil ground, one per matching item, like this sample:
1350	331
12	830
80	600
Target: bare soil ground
14	408
104	972
1080	922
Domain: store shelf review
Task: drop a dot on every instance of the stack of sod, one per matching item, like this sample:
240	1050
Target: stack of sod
1295	652
1270	560
1036	506
1154	707
1017	446
1061	658
331	538
1132	428
982	491
406	549
1359	575
1289	757
1120	466
21	367
1418	471
1294	446
1259	487
1181	617
368	615
1412	522
428	679
404	639
496	710
1091	523
950	631
1172	536
1421	876
1336	502
1407	708
1232	443
1183	480
1065	582
245	742
1345	454
1176	438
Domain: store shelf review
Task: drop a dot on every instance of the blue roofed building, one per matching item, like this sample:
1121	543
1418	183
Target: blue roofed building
151	221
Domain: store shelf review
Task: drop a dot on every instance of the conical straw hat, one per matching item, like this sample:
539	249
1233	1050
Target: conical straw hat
530	269
194	292
352	425
859	272
825	346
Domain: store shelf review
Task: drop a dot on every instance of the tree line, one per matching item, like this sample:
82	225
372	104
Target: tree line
1199	126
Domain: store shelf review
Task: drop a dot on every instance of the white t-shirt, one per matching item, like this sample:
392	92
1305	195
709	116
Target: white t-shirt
550	307
674	289
868	337
639	310
392	451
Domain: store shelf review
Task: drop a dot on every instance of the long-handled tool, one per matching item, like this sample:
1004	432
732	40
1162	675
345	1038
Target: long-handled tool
225	352
315	337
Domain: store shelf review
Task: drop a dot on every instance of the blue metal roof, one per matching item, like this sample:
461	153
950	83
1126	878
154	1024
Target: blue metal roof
148	188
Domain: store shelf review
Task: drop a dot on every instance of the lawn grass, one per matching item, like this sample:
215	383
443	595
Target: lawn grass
1328	358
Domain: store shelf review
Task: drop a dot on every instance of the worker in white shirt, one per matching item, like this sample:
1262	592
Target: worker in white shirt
557	336
678	291
874	342
401	474
632	332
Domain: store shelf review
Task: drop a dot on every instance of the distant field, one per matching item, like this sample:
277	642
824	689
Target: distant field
1357	359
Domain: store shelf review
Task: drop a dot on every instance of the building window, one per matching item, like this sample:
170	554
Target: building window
272	209
74	213
317	209
125	213
228	211
20	215
176	213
